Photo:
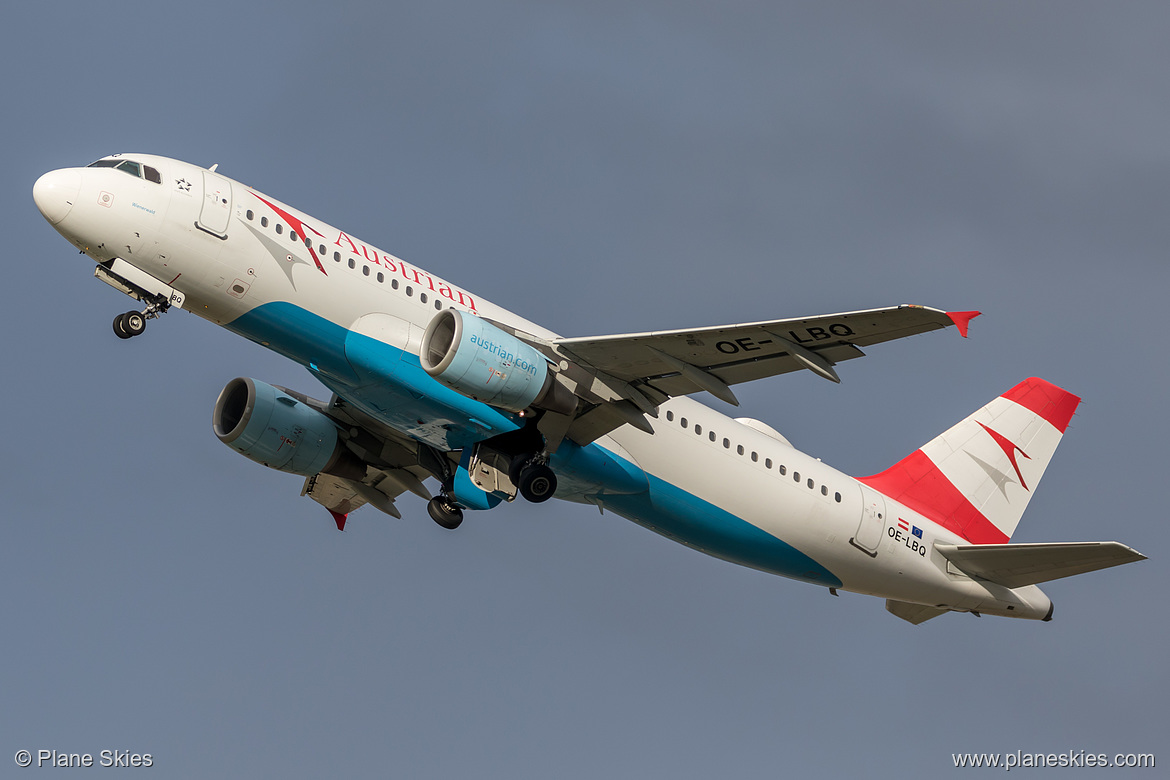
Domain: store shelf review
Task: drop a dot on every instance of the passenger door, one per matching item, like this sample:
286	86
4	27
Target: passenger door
217	205
873	522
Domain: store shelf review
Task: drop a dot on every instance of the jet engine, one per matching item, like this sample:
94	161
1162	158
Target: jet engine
271	427
474	357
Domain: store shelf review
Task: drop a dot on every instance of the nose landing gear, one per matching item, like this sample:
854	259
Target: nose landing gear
129	325
133	323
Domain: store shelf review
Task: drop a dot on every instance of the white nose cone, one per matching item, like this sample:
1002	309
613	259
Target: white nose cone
56	192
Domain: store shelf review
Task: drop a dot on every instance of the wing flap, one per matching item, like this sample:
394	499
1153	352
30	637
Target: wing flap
333	493
1016	565
379	489
913	613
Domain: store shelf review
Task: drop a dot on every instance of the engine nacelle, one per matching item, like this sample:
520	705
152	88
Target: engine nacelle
274	429
481	361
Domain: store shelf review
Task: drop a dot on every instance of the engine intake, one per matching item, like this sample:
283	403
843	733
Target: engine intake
276	430
477	359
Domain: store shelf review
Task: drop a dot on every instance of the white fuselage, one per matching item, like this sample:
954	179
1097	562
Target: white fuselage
239	259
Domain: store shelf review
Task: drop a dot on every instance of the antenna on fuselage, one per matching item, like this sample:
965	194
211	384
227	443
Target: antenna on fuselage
213	167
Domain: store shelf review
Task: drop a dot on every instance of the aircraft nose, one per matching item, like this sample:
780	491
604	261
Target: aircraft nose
55	193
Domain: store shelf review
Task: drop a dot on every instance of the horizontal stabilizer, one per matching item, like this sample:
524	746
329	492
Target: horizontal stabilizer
1016	565
913	613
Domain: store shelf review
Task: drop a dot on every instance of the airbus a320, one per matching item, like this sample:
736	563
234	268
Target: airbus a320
437	392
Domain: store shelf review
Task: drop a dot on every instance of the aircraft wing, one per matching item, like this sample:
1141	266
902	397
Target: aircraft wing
668	360
638	371
392	464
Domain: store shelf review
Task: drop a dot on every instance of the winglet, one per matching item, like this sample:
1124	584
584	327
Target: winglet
962	319
339	519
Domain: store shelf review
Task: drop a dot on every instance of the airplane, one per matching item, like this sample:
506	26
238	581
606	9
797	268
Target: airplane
431	382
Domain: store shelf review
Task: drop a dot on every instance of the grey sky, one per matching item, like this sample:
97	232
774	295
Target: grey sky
597	167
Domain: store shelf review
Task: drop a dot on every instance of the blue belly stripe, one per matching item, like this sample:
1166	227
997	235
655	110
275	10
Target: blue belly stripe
401	393
687	519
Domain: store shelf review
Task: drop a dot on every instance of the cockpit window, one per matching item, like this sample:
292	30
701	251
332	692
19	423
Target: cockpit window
129	166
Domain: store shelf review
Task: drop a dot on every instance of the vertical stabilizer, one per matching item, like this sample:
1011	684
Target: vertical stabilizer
976	479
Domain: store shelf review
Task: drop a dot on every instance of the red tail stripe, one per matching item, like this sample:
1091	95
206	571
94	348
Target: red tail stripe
919	484
1045	399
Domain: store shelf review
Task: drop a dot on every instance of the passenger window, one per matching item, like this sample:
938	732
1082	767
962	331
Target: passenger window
796	476
727	444
409	291
352	264
824	490
739	449
321	250
249	214
365	270
152	174
263	221
670	416
767	463
698	429
755	457
394	283
337	257
381	277
810	483
712	435
132	168
279	228
422	297
438	304
837	497
683	422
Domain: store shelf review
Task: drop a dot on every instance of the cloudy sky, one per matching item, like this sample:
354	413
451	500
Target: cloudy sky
598	167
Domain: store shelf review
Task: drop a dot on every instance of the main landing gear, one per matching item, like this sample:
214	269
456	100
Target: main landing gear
133	323
534	479
444	512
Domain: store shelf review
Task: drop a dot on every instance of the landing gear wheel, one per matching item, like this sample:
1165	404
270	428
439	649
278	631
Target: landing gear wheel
130	324
120	328
134	323
537	483
444	512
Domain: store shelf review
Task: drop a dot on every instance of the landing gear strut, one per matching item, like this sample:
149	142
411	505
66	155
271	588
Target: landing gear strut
444	512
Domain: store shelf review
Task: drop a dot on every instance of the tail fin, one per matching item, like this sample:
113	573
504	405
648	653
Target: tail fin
976	479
